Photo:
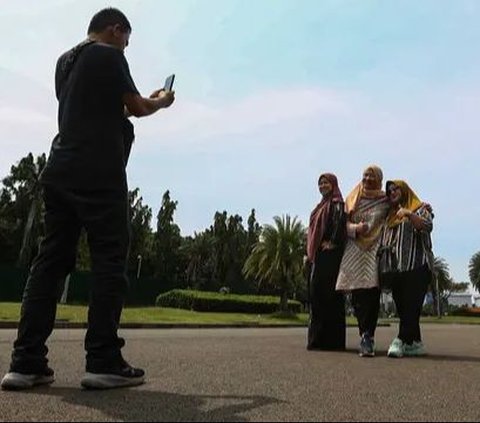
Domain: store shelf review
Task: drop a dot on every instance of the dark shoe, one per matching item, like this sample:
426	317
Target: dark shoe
367	346
121	377
14	381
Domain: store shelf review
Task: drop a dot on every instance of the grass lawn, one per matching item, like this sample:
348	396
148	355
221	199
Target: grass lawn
10	312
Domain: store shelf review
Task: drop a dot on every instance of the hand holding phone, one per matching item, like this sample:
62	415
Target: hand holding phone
165	96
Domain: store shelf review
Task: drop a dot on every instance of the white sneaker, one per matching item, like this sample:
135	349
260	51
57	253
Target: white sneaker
417	349
14	381
396	349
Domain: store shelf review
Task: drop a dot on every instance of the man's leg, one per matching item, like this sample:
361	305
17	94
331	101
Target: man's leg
55	259
107	223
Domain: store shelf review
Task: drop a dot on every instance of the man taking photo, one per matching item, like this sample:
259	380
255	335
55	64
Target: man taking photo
85	186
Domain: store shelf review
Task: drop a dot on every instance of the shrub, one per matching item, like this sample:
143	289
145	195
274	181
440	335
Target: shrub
225	303
467	312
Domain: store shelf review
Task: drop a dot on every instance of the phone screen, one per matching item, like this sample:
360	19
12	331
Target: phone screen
169	83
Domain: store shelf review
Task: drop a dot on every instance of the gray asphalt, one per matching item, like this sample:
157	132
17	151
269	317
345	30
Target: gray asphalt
260	375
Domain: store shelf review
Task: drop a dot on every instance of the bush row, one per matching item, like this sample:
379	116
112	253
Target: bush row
225	303
467	312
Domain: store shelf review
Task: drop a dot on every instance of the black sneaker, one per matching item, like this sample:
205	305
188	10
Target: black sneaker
367	346
121	377
14	381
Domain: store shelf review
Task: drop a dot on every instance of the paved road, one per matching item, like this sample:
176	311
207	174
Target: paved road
260	375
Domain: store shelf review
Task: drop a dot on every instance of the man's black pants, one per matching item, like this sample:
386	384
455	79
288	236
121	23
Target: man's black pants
104	215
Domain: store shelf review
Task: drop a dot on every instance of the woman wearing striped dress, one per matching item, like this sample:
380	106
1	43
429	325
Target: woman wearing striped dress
407	234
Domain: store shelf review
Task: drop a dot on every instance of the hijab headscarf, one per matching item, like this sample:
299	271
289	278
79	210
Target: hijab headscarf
365	241
360	191
319	216
409	201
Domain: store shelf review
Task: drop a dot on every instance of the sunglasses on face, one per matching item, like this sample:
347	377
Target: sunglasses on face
392	189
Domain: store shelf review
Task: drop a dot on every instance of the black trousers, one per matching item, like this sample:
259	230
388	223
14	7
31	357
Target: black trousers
326	328
104	215
408	291
366	303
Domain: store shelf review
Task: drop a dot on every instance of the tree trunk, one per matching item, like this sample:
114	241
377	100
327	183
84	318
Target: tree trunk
284	301
437	302
63	299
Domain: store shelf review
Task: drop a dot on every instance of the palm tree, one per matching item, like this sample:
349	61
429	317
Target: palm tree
444	282
474	270
277	258
442	273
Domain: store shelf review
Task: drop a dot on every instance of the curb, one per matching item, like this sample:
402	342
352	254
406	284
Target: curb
71	325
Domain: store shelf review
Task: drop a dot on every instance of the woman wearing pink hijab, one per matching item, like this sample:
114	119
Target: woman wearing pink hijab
325	244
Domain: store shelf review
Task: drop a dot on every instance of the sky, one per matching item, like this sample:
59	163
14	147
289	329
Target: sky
269	95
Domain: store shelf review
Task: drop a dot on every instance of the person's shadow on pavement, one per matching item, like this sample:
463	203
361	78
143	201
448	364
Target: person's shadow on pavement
143	405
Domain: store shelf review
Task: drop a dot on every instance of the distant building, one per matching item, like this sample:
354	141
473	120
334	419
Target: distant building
464	299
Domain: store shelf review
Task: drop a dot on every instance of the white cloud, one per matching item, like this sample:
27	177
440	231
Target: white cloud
14	115
29	7
192	121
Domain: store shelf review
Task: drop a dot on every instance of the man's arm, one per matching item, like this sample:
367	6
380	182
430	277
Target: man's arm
139	106
116	67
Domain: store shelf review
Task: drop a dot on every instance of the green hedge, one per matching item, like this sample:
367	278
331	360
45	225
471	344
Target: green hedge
141	292
466	312
225	303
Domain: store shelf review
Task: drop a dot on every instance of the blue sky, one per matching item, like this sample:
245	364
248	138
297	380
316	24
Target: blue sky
271	93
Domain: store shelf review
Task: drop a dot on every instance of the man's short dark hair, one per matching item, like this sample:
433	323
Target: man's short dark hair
108	17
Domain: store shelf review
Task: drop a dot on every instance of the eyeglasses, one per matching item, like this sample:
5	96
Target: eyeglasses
392	189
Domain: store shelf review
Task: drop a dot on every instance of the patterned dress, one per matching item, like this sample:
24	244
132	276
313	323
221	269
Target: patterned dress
411	246
358	269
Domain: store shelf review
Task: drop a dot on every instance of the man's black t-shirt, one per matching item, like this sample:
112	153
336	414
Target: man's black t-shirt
89	150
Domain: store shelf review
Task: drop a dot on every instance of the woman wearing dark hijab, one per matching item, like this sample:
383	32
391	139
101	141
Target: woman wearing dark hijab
325	244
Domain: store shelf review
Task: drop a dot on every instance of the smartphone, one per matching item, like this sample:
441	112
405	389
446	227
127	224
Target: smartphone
169	83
